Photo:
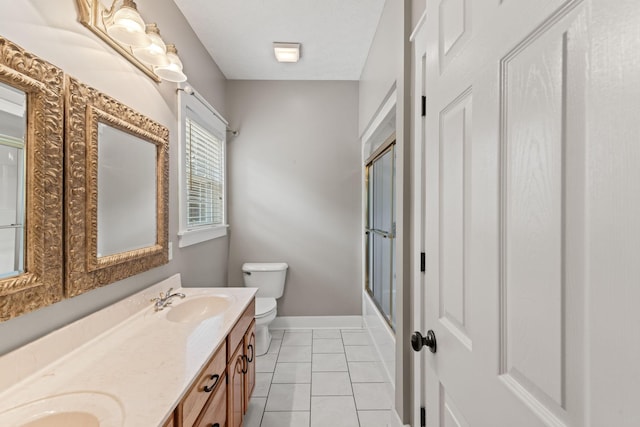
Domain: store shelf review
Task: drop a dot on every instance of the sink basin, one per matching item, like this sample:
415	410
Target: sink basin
74	409
198	309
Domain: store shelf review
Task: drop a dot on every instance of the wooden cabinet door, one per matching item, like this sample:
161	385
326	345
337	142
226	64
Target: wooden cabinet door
170	422
215	414
250	355
235	391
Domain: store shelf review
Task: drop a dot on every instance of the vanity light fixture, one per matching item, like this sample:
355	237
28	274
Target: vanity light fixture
126	26
121	27
156	53
287	52
173	70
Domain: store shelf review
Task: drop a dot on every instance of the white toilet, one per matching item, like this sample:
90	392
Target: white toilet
269	279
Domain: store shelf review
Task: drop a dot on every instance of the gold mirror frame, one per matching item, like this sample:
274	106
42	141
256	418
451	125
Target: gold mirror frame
91	13
41	283
86	108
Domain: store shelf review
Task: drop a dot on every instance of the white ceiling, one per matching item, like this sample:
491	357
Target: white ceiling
335	36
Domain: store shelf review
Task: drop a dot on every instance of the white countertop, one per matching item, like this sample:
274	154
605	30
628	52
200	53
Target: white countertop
130	364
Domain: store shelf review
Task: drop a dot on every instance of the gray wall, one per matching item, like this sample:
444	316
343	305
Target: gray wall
295	192
50	30
380	71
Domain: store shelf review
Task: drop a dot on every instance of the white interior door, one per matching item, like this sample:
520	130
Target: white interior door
519	209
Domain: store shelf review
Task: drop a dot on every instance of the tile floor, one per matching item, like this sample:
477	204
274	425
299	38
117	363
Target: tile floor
320	377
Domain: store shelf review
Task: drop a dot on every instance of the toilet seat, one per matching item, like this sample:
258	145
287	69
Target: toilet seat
265	306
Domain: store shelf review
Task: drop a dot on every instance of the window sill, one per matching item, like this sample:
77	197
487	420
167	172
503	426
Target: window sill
199	235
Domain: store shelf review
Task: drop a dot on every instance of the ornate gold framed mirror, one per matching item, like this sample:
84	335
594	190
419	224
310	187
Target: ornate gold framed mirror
117	201
31	163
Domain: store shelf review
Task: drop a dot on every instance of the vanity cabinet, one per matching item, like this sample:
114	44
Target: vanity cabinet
219	396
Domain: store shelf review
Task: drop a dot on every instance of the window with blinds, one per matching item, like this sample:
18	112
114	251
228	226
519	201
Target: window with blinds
204	164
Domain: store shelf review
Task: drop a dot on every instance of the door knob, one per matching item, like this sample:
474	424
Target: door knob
418	341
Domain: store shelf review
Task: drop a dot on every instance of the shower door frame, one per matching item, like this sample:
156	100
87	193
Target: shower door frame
388	146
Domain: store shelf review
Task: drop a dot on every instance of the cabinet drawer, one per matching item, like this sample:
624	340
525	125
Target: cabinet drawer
236	335
216	413
208	382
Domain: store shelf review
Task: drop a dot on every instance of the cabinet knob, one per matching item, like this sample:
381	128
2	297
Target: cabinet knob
209	389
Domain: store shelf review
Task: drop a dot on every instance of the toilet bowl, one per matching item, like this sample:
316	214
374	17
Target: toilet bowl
266	311
269	278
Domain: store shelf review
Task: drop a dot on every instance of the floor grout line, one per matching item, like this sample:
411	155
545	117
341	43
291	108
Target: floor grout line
341	336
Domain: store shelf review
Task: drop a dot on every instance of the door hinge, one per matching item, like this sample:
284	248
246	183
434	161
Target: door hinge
424	106
423	262
423	417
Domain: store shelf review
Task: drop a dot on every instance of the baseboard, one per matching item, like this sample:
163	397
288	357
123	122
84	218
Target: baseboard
316	322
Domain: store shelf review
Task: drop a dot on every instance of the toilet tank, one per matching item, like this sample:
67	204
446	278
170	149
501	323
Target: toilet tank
267	277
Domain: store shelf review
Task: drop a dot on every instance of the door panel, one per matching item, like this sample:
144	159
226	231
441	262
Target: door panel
533	215
537	176
455	144
450	415
455	29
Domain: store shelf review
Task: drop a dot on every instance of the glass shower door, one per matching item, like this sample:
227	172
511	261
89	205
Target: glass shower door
380	231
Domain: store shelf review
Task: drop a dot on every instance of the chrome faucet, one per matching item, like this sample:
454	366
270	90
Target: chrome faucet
165	299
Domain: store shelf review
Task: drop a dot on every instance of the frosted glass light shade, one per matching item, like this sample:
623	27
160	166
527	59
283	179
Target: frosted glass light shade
173	71
127	26
287	52
156	52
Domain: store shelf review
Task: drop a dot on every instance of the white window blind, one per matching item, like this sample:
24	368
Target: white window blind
204	176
